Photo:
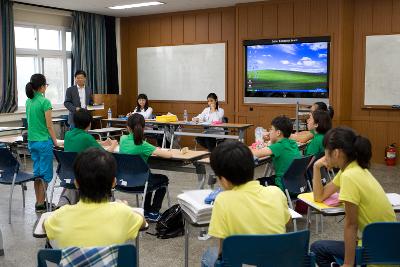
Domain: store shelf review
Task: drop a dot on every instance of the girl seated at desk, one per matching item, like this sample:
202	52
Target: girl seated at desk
135	144
142	107
364	200
305	136
210	114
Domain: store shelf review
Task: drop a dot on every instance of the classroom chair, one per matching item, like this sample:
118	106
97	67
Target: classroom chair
64	171
379	244
132	175
295	182
126	256
11	175
283	250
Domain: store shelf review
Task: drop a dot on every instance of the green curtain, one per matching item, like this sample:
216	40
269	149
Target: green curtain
8	84
89	49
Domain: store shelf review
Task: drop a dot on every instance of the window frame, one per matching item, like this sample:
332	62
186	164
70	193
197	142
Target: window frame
40	54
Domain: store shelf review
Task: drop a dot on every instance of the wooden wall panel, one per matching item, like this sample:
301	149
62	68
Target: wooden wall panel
177	29
202	28
166	30
302	17
319	16
155	32
285	20
214	26
189	29
396	16
270	20
254	21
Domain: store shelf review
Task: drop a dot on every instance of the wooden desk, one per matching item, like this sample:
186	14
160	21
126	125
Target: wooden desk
7	129
104	133
171	127
179	162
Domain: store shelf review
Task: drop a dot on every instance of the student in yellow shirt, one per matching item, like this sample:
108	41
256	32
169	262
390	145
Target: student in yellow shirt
231	214
93	221
364	199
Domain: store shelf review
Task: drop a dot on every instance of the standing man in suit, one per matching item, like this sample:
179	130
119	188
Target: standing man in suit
77	96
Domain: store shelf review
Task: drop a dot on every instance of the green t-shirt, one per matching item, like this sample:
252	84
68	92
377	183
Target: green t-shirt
127	146
283	153
78	140
35	115
315	147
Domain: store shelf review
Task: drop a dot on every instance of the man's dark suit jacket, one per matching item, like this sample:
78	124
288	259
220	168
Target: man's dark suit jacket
72	101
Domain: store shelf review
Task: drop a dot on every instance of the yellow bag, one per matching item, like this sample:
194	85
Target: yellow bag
166	118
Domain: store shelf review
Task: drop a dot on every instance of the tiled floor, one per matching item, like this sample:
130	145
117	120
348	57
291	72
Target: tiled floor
21	247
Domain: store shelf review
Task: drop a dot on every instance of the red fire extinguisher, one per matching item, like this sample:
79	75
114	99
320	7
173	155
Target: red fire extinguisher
390	155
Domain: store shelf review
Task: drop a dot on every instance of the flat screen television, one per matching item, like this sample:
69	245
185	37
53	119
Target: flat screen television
287	70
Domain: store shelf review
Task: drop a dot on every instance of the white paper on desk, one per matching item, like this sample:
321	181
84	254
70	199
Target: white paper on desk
96	107
39	226
192	203
394	199
294	214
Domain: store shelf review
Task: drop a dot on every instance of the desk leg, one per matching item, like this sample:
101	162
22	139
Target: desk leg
186	243
241	135
1	244
137	249
201	174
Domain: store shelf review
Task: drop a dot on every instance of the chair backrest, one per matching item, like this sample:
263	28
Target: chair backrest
65	168
294	179
126	256
283	250
132	170
380	244
24	123
8	164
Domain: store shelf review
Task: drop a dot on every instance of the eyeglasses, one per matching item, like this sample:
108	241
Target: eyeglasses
47	84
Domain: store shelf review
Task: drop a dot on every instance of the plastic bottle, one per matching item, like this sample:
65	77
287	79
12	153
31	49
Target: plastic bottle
185	116
109	113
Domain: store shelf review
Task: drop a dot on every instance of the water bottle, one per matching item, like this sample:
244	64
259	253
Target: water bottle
109	113
185	116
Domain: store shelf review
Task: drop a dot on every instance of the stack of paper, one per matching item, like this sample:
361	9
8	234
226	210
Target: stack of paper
394	199
192	203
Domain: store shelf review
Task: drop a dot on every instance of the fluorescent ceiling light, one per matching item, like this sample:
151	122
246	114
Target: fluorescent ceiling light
137	5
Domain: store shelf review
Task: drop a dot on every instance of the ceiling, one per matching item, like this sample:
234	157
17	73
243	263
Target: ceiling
100	6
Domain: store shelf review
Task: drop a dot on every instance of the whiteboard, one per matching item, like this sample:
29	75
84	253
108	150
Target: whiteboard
382	70
184	72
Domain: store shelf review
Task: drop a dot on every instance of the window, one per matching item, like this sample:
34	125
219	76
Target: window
45	50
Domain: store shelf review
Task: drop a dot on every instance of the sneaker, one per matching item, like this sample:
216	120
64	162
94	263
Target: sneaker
40	208
152	216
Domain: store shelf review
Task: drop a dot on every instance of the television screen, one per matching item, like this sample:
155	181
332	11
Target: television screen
287	70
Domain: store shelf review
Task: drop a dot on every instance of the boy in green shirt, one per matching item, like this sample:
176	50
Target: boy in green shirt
282	149
78	140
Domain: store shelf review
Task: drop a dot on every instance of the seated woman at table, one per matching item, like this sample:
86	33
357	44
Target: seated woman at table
142	107
364	200
305	136
231	214
93	221
135	144
212	113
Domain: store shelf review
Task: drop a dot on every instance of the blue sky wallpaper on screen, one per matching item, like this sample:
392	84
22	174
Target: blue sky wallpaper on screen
302	57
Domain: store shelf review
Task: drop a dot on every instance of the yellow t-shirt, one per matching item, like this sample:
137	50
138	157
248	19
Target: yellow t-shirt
92	224
249	209
358	186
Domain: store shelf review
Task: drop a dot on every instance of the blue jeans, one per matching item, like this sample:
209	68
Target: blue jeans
42	156
326	250
209	257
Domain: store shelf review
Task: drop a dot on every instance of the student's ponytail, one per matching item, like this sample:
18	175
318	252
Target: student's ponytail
37	80
362	147
136	123
355	147
29	90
